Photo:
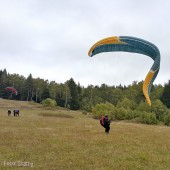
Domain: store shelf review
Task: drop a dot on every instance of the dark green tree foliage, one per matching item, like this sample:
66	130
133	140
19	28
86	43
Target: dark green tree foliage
166	95
39	86
127	104
120	102
134	92
62	95
29	87
79	90
3	83
45	94
10	80
156	92
74	102
3	78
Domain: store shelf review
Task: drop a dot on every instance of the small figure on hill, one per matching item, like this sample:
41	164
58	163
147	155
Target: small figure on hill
9	112
105	122
16	112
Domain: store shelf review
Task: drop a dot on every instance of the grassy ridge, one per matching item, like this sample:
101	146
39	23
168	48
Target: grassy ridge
59	139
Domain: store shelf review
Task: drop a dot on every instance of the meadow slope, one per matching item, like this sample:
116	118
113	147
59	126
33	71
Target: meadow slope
62	139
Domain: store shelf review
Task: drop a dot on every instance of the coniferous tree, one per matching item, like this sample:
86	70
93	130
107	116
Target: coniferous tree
3	83
74	102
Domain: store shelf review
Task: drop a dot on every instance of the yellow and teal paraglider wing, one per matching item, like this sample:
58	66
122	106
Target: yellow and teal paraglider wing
133	45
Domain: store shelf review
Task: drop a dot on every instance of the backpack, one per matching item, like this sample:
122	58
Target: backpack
102	120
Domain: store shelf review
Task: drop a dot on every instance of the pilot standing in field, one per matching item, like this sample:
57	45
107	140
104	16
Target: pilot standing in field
105	122
9	112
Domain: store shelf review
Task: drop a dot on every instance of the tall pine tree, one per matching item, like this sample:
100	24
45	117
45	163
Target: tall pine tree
74	102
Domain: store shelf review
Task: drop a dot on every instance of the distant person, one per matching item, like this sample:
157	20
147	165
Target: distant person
105	122
9	112
16	112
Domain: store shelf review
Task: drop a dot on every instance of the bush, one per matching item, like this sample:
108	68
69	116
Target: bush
159	109
121	113
102	109
127	104
136	114
144	107
49	103
125	114
132	114
148	118
167	119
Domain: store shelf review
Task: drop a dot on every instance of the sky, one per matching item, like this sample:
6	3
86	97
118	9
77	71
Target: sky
50	39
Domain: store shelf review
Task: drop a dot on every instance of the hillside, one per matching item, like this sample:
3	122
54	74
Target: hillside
61	139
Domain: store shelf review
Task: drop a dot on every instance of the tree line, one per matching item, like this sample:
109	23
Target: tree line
121	102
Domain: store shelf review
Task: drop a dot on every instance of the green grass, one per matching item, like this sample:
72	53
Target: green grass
61	140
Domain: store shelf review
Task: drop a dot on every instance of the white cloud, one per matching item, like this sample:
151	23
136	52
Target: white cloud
51	39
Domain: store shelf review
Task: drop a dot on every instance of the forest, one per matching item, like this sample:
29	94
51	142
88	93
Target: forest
119	102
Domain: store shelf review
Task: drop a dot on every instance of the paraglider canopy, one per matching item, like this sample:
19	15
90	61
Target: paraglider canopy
12	90
133	45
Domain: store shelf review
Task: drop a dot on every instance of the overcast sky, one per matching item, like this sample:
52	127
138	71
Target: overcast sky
51	38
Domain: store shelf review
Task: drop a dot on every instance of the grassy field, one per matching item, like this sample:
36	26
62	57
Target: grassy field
68	140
